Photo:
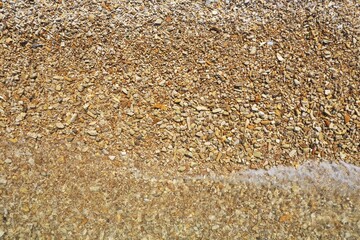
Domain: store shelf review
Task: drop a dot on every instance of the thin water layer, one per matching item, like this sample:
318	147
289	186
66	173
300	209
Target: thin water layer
320	174
76	195
325	174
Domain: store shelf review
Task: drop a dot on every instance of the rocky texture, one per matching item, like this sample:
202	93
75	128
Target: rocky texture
177	89
71	194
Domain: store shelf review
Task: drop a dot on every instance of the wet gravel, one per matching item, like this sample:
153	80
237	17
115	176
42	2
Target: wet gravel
179	120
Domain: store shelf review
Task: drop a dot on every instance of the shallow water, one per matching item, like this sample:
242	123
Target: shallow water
316	200
340	175
323	174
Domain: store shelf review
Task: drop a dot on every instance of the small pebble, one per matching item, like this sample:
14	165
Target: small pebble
257	154
181	168
292	153
3	180
31	161
8	161
123	154
92	132
60	125
254	108
296	82
297	129
158	21
252	50
201	108
279	57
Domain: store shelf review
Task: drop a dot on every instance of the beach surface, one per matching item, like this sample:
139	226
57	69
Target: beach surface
179	119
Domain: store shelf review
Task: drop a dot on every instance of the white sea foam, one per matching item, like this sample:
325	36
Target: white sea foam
338	176
320	174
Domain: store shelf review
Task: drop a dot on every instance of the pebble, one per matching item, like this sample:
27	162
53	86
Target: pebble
20	117
125	91
199	134
279	57
257	154
158	21
13	140
112	158
214	12
8	40
56	77
31	161
215	227
327	54
252	50
91	17
72	118
327	92
265	122
217	110
297	129
318	129
177	119
33	76
201	108
177	100
33	135
188	154
293	153
94	188
86	106
286	146
3	180
208	2
92	132
8	161
296	82
346	118
306	150
59	125
258	120
254	108
193	164
181	168
238	87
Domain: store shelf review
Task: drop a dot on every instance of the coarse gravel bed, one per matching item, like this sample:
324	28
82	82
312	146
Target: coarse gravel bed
179	119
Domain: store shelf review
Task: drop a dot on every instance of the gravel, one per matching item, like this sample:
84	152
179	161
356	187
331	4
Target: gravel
106	108
80	195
